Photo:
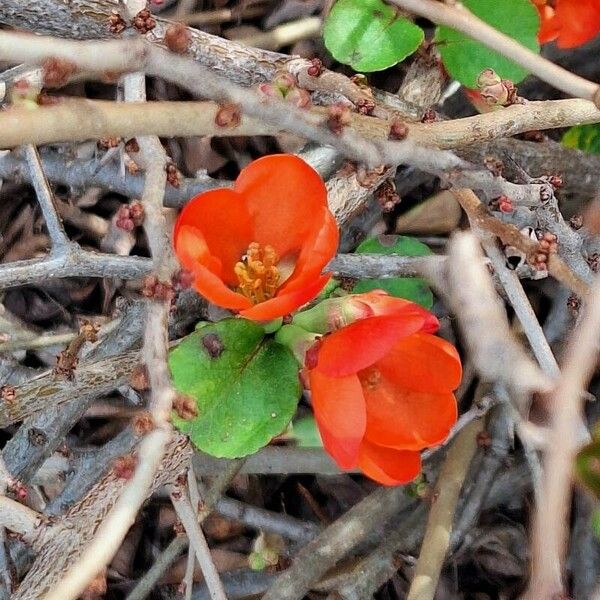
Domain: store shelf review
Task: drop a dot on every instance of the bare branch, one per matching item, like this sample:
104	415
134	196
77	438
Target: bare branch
471	295
56	230
17	517
74	263
466	22
441	516
551	516
197	541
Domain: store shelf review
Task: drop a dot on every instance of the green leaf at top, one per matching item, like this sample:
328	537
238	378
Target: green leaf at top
245	385
409	288
369	35
464	58
583	137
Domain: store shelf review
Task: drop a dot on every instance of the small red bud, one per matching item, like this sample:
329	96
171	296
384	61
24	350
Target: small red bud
398	130
316	67
228	115
178	38
124	466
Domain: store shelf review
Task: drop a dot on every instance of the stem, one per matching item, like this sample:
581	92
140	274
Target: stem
441	517
466	22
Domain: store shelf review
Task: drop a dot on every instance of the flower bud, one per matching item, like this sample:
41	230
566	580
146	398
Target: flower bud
488	77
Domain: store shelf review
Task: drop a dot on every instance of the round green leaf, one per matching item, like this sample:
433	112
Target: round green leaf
464	58
583	137
246	387
306	433
410	288
587	467
369	35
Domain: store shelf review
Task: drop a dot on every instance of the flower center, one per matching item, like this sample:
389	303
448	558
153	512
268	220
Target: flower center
257	273
370	378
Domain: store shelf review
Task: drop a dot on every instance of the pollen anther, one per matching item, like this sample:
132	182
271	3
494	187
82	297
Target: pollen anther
257	273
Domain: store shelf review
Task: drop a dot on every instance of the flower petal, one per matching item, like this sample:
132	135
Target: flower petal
192	250
340	414
405	419
549	27
285	303
388	466
423	362
380	303
221	217
579	22
214	290
315	253
363	343
285	197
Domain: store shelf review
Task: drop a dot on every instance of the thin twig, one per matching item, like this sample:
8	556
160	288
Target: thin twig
56	230
471	295
179	544
551	516
441	516
525	313
73	263
466	22
510	235
197	541
114	527
335	542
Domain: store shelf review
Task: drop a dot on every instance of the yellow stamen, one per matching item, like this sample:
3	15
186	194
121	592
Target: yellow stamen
257	273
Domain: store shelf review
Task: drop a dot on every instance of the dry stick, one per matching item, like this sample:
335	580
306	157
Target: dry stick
74	263
81	174
370	266
335	542
194	492
179	544
45	198
61	544
47	391
117	522
187	516
551	515
441	517
525	313
17	517
284	35
80	120
92	264
510	235
466	22
471	295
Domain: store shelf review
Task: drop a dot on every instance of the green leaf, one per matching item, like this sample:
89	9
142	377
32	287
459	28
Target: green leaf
587	467
246	387
369	35
583	137
410	288
596	522
306	433
464	58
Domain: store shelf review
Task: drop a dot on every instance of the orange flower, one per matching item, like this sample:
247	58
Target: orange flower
570	22
382	391
260	247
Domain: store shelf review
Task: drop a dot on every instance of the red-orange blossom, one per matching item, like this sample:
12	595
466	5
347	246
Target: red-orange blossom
382	391
259	248
570	22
